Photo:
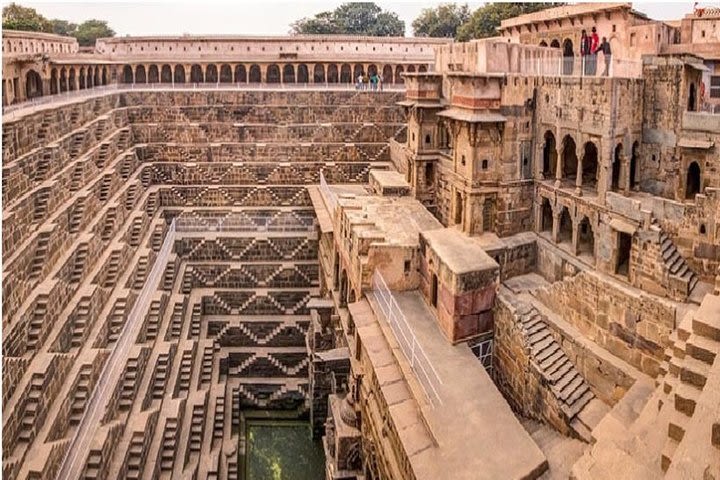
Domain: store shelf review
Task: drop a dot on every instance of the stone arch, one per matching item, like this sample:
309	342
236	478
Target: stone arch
422	68
434	290
346	73
240	74
254	76
568	56
332	73
555	43
288	74
565	228
546	216
351	296
632	174
410	69
166	74
387	74
693	180
33	84
53	81
302	74
692	98
357	71
196	74
96	76
343	287
211	73
543	43
71	79
153	74
458	208
590	165
549	155
89	82
569	158
179	74
226	74
586	238
81	78
104	76
63	79
616	168
372	70
273	74
128	76
140	76
398	74
319	73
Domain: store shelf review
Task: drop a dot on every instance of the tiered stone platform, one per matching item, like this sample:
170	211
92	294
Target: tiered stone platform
167	238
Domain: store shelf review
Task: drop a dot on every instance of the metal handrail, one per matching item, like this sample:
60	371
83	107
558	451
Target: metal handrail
77	453
239	224
414	352
581	66
116	87
328	194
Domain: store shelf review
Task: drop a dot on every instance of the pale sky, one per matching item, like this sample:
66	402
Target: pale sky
266	17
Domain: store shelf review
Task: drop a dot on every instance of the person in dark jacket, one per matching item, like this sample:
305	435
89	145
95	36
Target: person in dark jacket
607	55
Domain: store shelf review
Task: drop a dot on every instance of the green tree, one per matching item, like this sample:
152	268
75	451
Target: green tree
361	18
15	17
90	30
441	21
63	27
485	20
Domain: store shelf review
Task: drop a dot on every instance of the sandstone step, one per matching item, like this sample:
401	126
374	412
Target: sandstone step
702	348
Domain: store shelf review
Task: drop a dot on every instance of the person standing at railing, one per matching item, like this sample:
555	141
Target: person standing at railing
594	47
607	55
359	85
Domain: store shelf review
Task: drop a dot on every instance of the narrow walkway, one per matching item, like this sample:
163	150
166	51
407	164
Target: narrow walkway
79	449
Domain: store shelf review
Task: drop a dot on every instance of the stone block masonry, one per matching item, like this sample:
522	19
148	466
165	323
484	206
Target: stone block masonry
92	188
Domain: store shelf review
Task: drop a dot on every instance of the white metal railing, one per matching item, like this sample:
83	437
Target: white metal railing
582	66
259	86
58	97
241	224
79	449
419	362
329	196
115	87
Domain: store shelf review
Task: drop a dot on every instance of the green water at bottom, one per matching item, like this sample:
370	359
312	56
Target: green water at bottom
283	450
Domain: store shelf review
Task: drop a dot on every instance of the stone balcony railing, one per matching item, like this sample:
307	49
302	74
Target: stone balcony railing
582	66
705	121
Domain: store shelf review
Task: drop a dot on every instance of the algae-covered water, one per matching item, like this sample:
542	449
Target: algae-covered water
282	450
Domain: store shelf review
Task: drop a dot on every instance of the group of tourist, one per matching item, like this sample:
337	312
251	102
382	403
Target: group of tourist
374	82
590	46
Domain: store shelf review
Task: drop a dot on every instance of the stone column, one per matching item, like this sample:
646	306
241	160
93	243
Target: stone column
558	169
188	70
578	175
575	238
555	227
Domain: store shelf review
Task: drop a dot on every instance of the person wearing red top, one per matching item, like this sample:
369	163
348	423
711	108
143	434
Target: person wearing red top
594	45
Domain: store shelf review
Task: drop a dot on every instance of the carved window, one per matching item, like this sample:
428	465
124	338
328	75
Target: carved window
715	86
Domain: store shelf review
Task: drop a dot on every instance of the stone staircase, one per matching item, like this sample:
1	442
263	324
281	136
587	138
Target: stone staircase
695	346
567	385
674	263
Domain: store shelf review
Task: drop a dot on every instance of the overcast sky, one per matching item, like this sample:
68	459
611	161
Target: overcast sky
268	17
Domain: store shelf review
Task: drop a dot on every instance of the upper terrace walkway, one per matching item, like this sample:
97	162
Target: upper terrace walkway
18	110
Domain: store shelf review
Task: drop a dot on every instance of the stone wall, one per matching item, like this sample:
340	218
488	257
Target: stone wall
630	324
